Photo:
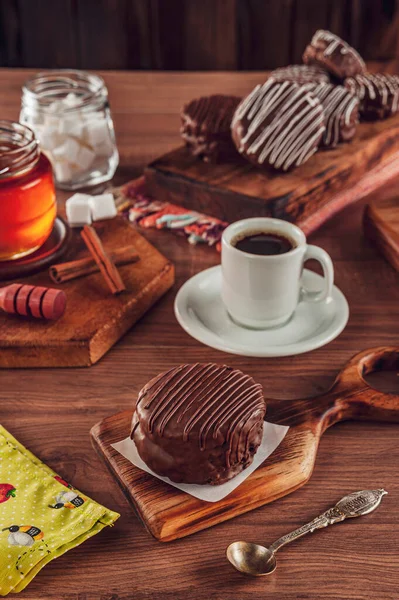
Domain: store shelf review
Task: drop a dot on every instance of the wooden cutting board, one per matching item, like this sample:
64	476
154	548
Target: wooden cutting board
381	227
169	513
94	319
307	196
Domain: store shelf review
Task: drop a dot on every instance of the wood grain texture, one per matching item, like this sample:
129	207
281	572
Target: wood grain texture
94	319
341	17
311	193
264	20
186	34
51	411
307	12
10	28
377	26
210	35
38	32
170	514
106	43
167	50
381	227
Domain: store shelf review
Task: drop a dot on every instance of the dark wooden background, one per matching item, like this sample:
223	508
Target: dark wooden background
186	34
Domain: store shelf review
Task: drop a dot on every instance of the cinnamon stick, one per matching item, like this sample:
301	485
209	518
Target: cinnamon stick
86	266
106	265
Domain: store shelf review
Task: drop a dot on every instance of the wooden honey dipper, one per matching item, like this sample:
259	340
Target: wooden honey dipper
33	301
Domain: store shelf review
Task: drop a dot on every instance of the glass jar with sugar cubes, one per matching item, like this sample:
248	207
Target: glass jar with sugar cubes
69	112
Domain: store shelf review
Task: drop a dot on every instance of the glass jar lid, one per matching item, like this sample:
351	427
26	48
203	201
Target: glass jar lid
19	149
64	91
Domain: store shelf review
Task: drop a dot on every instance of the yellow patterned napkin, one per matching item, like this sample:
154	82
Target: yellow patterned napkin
41	516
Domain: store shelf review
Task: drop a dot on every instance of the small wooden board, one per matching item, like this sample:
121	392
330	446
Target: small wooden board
381	226
94	319
307	196
169	513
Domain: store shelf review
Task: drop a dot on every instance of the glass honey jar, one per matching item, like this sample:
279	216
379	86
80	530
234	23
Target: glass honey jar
27	193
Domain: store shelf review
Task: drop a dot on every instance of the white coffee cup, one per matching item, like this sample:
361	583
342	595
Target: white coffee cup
262	291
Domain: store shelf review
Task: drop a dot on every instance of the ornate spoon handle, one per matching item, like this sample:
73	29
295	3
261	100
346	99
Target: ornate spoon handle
353	505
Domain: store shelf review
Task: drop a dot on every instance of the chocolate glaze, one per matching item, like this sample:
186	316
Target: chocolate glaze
206	126
378	94
199	423
301	74
333	54
279	124
341	112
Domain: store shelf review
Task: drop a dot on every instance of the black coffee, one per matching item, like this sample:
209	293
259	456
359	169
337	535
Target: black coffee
263	243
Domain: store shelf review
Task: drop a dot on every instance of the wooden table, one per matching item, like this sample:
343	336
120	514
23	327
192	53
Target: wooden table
52	411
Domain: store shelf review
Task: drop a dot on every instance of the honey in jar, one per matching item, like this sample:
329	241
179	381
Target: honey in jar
27	194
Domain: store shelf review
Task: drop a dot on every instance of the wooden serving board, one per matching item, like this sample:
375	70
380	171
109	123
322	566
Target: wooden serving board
381	226
94	319
307	196
169	513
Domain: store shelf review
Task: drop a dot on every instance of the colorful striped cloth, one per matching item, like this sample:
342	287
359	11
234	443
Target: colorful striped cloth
134	202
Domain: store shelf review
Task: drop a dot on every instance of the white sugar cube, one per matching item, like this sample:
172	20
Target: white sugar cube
102	207
49	138
92	115
85	158
97	132
71	126
62	171
55	106
58	153
51	125
78	210
71	100
69	151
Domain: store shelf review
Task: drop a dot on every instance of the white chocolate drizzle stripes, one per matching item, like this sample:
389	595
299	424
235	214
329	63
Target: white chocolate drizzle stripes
333	42
301	74
381	87
213	395
285	122
340	109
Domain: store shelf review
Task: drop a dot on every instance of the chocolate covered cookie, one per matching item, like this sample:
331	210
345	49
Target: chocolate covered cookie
279	124
199	423
330	52
378	94
205	126
341	111
301	74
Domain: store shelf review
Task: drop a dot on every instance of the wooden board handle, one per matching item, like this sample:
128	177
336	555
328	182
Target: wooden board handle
351	397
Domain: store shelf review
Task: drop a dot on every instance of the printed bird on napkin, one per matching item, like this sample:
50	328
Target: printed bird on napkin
41	515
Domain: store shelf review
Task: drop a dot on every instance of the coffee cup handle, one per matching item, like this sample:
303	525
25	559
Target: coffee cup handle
316	253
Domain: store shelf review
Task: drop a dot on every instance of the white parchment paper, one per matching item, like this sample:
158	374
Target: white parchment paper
272	437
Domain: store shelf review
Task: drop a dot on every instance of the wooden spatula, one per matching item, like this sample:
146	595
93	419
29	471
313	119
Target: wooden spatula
169	513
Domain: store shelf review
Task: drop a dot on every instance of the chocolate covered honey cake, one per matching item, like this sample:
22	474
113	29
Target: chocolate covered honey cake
205	126
330	52
199	423
279	124
378	94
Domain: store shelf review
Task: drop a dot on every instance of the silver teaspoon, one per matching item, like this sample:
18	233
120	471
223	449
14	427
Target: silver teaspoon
256	560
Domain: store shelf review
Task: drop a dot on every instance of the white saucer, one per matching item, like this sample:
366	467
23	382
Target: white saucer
201	313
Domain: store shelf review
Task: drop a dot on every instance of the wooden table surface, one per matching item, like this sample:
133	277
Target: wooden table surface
51	411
